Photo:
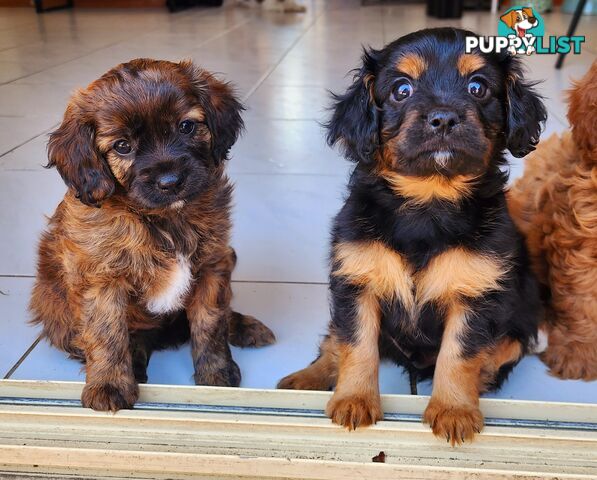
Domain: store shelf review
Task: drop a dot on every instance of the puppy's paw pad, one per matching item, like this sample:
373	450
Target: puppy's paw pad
354	411
454	423
108	397
247	331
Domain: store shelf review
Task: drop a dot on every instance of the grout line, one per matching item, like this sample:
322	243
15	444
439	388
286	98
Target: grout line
9	275
215	37
29	140
222	33
271	69
23	357
122	40
60	63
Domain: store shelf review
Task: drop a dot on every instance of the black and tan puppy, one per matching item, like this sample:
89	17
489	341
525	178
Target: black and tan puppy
137	255
427	268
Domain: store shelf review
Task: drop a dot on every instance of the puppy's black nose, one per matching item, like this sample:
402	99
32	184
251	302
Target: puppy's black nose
443	121
169	181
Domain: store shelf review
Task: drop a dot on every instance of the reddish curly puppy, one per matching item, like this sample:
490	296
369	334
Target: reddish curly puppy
137	255
555	205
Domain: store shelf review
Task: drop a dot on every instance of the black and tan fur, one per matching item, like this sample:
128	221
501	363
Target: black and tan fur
427	268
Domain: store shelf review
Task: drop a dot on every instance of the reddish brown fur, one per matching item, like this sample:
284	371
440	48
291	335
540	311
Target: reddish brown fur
98	267
555	205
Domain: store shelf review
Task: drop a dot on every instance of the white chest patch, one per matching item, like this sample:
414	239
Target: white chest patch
442	158
172	296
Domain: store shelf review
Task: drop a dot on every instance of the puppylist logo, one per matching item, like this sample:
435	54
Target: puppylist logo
521	31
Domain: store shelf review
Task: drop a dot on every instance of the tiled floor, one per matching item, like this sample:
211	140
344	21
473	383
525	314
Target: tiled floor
288	183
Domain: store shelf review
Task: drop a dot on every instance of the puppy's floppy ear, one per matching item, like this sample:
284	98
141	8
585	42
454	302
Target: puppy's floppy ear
525	111
222	109
509	18
355	118
72	150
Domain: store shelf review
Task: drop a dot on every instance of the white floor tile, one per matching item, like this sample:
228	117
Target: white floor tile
17	130
281	226
285	146
289	102
26	197
16	336
30	156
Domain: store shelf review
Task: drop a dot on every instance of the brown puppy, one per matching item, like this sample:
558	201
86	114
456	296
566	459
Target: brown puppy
137	255
555	205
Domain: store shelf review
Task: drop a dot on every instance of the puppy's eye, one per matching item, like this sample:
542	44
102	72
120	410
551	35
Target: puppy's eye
123	147
186	127
402	90
477	88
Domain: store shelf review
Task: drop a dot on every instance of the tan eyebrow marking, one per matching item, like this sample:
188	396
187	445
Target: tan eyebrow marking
197	114
469	63
411	64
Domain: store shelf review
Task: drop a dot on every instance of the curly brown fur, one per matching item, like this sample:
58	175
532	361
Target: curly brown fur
555	205
137	256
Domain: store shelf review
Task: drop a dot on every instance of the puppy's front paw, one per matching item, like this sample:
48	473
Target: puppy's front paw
247	331
109	397
227	375
354	410
456	424
571	361
305	379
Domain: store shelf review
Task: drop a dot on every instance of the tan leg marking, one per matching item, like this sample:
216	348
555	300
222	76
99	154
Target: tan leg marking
453	411
356	401
322	374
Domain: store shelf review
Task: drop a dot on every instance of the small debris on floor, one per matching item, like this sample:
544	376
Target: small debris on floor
380	458
3	293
